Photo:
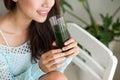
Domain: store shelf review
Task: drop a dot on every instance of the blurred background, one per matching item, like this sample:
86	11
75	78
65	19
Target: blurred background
98	13
74	11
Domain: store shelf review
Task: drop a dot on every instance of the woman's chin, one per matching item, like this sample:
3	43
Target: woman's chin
41	20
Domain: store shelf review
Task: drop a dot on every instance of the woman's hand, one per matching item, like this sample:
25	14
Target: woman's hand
71	49
48	61
52	59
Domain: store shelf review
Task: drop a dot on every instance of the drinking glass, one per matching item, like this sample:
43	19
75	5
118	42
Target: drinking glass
60	30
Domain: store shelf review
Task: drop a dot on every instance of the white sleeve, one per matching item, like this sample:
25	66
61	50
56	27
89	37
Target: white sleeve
66	63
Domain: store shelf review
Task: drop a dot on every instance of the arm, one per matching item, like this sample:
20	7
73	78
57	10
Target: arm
33	73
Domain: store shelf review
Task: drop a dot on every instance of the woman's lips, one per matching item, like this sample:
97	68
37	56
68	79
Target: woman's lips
42	12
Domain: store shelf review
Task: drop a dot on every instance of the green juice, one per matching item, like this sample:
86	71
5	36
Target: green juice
61	35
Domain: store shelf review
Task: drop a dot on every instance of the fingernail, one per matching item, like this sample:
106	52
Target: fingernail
65	43
62	49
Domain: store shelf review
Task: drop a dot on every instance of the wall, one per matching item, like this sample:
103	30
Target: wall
2	8
97	7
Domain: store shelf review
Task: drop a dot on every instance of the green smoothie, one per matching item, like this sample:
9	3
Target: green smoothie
61	35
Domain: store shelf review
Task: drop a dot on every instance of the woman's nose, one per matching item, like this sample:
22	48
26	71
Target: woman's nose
45	3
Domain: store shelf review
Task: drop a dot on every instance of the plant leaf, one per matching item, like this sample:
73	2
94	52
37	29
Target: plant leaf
65	5
116	25
106	37
81	0
107	20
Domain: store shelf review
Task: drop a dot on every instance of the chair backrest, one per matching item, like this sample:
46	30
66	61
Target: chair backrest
94	58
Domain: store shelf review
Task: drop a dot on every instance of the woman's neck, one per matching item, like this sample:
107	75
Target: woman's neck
15	22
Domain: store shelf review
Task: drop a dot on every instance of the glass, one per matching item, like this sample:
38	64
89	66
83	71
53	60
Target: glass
60	30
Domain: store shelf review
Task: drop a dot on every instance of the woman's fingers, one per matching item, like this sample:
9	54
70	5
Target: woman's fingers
54	44
71	55
55	61
69	52
51	52
71	49
50	59
69	41
70	46
55	56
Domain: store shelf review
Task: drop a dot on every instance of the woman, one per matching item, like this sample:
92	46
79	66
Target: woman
27	46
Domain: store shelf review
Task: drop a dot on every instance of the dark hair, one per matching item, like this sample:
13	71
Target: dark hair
40	34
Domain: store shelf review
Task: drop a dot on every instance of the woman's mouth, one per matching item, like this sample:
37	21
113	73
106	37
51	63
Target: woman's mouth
42	12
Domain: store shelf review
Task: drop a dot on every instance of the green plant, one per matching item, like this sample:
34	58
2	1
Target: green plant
105	32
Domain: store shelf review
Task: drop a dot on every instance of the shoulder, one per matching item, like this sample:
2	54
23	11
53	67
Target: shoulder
1	38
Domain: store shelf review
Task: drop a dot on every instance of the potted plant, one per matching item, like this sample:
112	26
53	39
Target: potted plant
105	32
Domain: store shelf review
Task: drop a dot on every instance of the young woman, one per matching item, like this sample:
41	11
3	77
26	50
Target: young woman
27	44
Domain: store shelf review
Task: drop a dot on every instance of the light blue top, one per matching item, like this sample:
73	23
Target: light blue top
15	64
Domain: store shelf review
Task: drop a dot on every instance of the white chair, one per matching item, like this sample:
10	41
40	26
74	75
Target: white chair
100	63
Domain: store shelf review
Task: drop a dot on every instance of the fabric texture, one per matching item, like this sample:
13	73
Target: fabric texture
15	64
